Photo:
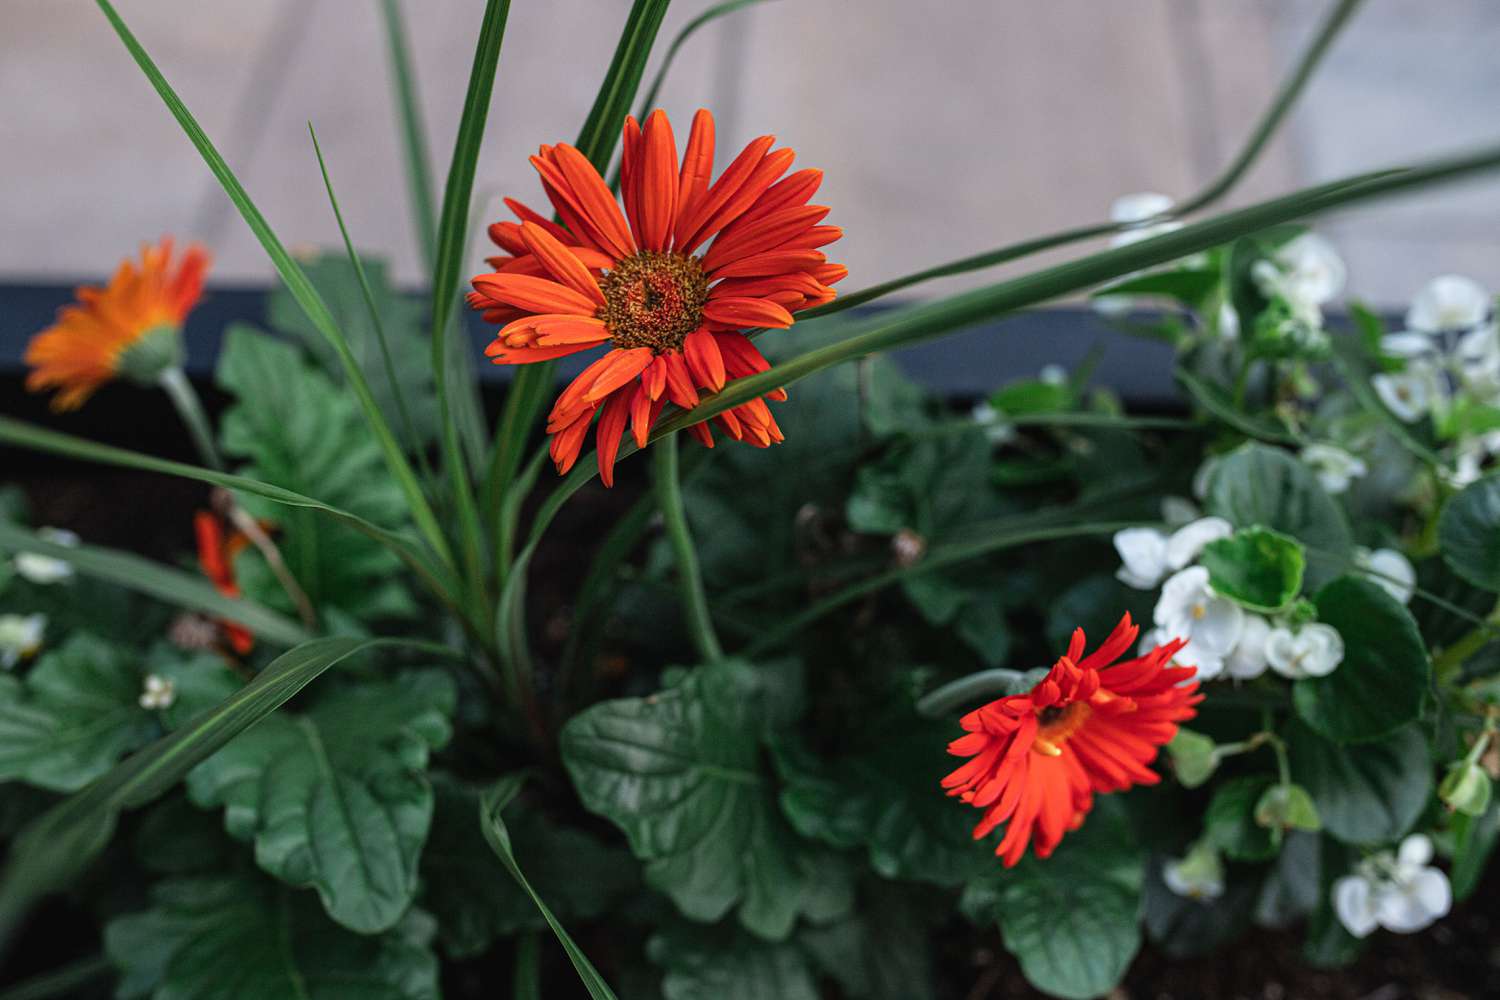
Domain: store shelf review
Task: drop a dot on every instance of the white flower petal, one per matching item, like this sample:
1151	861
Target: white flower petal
1334	466
1391	571
1353	905
1186	542
1408	345
1281	653
1320	649
1248	659
1415	851
1220	626
1404	393
1448	302
1144	553
1314	273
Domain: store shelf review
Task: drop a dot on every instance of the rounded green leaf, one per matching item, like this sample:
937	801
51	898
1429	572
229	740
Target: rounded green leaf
1258	485
1469	533
1381	683
1230	820
1366	794
1256	567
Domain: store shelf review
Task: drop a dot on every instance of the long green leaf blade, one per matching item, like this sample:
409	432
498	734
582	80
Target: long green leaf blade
163	582
413	134
59	844
296	281
490	808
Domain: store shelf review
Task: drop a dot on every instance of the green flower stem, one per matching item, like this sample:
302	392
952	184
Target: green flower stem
991	684
190	408
1447	663
689	574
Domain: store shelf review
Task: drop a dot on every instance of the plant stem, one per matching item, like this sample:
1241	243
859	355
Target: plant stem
986	683
689	574
1451	660
184	397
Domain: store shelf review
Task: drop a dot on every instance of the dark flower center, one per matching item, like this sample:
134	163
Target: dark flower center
1050	714
654	299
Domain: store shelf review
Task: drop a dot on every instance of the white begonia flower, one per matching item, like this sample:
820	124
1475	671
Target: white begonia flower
1314	650
1177	511
1138	208
1187	541
1229	321
1411	393
47	569
1448	302
20	637
1144	554
1335	467
1401	892
996	427
1408	345
1389	570
1198	875
158	692
1476	357
1189	609
1248	658
1312	270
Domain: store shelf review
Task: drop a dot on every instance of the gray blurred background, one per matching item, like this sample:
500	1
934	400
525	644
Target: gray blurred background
945	127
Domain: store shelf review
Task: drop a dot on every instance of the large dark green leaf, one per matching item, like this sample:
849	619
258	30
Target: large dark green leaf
1369	794
1259	485
1290	891
337	798
335	279
1470	533
1383	679
1182	927
474	898
886	798
719	964
681	772
57	845
73	716
1073	920
300	431
1474	840
883	951
238	937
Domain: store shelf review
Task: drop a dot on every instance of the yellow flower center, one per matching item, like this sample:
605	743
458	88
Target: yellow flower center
1199	610
1059	723
654	299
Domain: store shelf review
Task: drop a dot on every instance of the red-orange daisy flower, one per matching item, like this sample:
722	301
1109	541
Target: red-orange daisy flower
132	326
1039	757
647	282
216	551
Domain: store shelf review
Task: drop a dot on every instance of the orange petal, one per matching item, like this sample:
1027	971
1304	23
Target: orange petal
771	262
627	364
538	295
571	401
702	432
568	442
502	355
697	165
792	190
730	181
641	415
658	183
761	178
704	360
817	236
611	426
654	379
526	214
562	264
747	312
680	387
770	233
507	236
556	332
595	199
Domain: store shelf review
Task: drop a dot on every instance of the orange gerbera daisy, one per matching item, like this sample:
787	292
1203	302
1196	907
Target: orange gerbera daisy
132	327
216	551
671	306
1039	757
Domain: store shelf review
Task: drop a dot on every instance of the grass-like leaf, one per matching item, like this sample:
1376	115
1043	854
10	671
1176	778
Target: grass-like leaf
296	282
163	582
413	133
491	807
25	435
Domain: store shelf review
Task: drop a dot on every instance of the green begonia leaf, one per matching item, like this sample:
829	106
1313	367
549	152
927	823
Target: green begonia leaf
1258	568
337	798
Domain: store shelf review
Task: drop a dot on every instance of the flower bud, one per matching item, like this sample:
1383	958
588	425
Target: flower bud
1194	757
1287	807
1465	788
146	359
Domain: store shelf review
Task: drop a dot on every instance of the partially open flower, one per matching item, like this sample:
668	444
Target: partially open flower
1448	302
132	327
1400	892
157	693
1087	727
20	637
1334	467
1199	875
216	551
1314	650
1208	625
647	283
43	569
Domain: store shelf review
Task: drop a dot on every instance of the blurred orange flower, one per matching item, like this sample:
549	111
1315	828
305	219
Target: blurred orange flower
131	327
1039	757
216	551
672	317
